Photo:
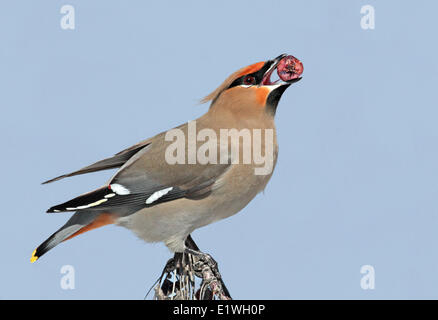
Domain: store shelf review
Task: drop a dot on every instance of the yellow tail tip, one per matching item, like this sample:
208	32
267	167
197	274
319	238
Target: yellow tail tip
34	257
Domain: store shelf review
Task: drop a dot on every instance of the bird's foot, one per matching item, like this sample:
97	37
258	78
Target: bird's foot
203	260
206	268
178	279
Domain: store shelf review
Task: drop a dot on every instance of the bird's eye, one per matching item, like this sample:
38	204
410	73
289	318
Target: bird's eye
249	80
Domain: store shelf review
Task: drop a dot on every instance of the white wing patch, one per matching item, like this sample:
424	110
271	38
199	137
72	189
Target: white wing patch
119	189
86	206
110	195
157	195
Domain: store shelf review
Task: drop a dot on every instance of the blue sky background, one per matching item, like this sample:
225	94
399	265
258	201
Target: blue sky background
356	180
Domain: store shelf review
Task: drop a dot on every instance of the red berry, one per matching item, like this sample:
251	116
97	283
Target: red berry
289	68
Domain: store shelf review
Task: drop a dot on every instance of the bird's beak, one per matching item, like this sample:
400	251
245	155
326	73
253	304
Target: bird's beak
289	70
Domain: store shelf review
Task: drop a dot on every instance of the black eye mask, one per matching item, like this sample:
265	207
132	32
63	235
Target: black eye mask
258	76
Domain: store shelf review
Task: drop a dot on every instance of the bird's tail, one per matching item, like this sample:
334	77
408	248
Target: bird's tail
80	222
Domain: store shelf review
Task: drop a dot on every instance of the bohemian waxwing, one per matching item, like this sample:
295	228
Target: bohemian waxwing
165	188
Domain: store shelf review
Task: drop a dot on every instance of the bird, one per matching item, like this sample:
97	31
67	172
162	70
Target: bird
164	200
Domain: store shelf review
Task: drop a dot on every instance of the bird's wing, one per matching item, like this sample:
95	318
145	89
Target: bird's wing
115	161
147	179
